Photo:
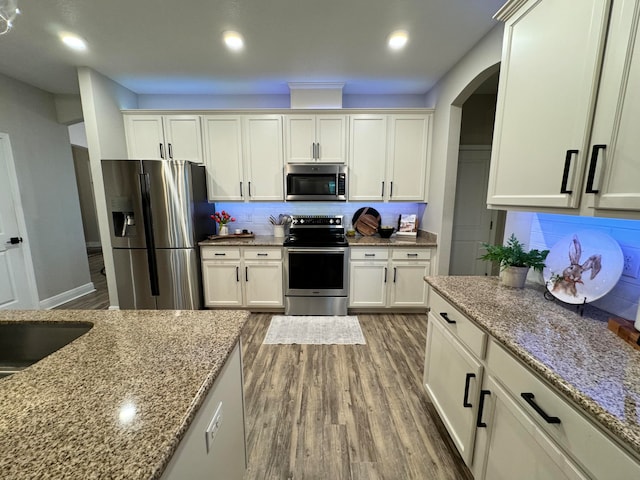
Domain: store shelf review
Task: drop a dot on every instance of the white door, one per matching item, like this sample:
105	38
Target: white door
183	137
331	136
409	288
262	141
17	281
472	220
145	137
300	137
407	157
263	284
223	157
368	284
367	157
222	284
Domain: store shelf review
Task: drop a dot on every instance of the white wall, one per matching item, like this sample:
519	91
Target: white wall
205	102
543	231
46	178
78	135
102	99
447	97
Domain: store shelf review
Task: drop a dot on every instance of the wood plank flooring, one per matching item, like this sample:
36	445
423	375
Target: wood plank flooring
98	300
344	411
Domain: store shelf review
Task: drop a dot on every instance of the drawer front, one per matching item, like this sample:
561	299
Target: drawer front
262	253
462	328
582	440
410	254
220	253
369	253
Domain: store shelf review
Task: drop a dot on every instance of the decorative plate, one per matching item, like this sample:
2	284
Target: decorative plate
366	221
583	267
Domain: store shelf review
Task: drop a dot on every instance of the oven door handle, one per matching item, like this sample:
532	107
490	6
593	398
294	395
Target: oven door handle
317	250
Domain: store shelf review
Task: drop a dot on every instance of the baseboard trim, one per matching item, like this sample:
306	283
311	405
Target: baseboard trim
93	244
64	297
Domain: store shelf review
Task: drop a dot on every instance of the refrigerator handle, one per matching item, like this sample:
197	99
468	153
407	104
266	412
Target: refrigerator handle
148	232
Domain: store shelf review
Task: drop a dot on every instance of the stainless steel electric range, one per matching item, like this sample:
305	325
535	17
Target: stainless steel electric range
316	266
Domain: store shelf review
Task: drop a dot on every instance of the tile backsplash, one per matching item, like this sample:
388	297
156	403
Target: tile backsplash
255	216
547	229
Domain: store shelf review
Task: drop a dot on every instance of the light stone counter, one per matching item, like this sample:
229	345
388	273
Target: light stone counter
257	241
578	355
114	403
423	240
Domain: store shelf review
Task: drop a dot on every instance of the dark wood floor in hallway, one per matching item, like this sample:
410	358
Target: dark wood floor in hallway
344	411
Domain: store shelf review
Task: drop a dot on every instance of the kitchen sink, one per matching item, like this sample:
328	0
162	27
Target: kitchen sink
23	344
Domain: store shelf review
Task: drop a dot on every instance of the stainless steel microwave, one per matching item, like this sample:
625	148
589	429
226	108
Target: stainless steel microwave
313	182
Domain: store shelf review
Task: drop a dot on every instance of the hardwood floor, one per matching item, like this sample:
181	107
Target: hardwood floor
336	412
344	411
98	300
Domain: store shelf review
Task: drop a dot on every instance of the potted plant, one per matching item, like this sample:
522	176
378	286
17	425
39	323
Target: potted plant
514	261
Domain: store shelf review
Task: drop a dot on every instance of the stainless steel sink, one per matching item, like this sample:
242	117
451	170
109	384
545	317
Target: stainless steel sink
23	344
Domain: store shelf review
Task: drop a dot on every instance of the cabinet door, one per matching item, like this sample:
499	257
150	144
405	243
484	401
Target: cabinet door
368	284
615	140
223	158
145	137
513	446
331	136
408	288
450	372
548	81
367	157
183	135
300	136
264	161
263	284
408	136
222	284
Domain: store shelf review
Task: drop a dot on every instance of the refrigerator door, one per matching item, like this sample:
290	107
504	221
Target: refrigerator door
179	280
124	205
132	271
172	203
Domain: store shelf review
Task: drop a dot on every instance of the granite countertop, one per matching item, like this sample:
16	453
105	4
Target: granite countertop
423	240
115	402
257	241
577	354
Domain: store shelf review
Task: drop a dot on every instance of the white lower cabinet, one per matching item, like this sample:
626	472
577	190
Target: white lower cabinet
511	445
220	455
242	277
381	277
516	425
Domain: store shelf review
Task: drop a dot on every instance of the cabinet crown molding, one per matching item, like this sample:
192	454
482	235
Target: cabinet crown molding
508	9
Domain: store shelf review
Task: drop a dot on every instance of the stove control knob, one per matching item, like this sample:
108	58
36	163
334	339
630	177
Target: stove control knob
331	221
302	220
338	221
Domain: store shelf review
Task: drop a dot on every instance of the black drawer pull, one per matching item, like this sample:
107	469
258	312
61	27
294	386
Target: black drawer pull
369	254
445	315
565	173
263	254
479	422
467	381
529	398
412	254
219	254
592	168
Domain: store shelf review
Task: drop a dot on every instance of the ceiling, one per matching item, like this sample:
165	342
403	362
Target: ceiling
175	47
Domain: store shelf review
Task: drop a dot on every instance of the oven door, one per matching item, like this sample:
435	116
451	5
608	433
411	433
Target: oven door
316	271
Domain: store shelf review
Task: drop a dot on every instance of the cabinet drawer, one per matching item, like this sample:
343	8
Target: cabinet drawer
582	440
220	253
410	254
462	328
369	254
262	253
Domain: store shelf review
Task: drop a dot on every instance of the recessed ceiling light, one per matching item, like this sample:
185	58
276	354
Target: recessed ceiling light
398	39
233	40
73	41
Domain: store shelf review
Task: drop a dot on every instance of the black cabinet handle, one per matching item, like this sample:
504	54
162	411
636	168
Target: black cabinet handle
249	189
246	274
161	152
445	315
241	190
565	173
529	398
467	381
479	422
219	254
170	151
385	274
237	274
263	255
382	194
369	254
394	274
412	254
592	168
391	190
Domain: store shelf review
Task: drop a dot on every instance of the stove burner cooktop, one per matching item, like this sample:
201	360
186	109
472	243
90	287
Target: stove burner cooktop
316	231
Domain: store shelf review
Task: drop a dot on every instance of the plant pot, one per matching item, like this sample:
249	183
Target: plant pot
224	230
514	276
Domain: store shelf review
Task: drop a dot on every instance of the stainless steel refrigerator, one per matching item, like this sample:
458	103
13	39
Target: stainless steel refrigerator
158	213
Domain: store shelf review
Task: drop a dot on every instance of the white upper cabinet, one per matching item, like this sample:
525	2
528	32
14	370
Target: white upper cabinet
551	62
388	157
614	170
244	157
407	159
316	138
164	137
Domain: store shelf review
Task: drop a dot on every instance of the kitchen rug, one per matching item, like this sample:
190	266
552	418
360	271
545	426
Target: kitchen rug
314	330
